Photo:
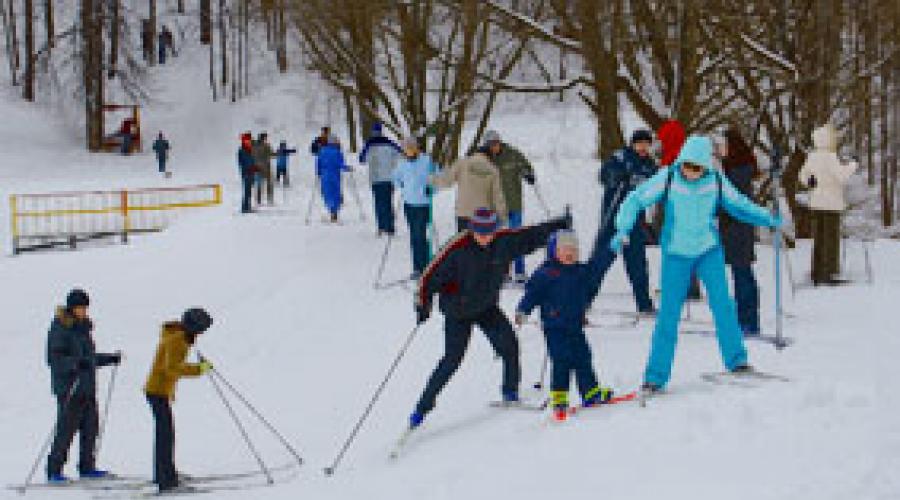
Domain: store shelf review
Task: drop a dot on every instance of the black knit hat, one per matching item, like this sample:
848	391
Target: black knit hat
641	135
196	320
77	297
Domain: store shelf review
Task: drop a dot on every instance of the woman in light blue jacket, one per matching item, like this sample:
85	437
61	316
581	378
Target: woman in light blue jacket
412	179
693	193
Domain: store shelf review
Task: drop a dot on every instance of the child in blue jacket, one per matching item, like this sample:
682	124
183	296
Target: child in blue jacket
562	288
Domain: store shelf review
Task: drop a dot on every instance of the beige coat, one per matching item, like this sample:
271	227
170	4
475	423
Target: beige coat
831	175
478	185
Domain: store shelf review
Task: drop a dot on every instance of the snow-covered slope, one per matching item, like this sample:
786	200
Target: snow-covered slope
301	331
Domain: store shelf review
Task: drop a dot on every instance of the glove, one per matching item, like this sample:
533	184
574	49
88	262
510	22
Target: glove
423	312
205	367
115	358
429	191
812	182
521	318
529	178
618	241
777	222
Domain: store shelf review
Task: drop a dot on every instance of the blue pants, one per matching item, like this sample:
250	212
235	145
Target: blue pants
746	295
676	279
570	352
247	181
515	222
77	414
635	254
417	219
383	194
331	191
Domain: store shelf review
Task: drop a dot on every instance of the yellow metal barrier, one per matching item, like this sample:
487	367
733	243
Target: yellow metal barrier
52	219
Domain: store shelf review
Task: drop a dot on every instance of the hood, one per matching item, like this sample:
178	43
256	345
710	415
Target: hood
825	138
64	317
698	150
172	329
671	136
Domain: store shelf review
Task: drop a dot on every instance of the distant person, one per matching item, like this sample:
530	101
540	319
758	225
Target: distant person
161	147
263	154
382	155
282	155
411	178
169	365
126	134
330	165
73	364
478	185
319	141
247	169
166	44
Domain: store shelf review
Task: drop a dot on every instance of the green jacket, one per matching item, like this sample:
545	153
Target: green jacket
513	167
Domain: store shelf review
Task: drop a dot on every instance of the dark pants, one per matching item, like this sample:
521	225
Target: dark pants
126	143
164	473
247	181
417	219
162	164
515	222
462	224
826	245
78	414
383	194
570	352
281	175
635	255
457	333
265	178
746	295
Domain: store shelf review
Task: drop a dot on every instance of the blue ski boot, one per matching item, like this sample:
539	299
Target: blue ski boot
511	397
94	474
416	419
57	479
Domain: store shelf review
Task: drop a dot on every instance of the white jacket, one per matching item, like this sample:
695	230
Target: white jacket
831	175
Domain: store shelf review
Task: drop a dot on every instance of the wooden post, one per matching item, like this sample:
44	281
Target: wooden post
14	223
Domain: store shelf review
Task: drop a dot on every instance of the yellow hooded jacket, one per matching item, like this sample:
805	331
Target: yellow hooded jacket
169	363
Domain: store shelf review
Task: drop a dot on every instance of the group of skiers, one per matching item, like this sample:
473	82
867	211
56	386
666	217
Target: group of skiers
254	159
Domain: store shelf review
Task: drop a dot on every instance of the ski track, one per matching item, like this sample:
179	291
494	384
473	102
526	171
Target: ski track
301	331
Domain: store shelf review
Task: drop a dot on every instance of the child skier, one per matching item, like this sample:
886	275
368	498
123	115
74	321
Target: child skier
561	287
282	155
168	367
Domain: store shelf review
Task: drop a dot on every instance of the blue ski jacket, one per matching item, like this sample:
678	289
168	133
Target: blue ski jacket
411	177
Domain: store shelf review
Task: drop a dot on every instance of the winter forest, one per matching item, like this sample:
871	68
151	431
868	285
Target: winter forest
545	194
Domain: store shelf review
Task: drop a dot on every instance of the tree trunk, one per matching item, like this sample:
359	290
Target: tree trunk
223	43
28	87
282	39
246	34
205	22
14	31
92	52
7	32
212	70
114	30
351	121
180	6
51	30
151	35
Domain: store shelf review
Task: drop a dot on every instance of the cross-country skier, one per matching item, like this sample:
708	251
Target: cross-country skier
468	274
627	169
513	168
247	168
161	147
282	155
73	364
169	366
478	185
382	155
330	165
561	288
693	192
411	178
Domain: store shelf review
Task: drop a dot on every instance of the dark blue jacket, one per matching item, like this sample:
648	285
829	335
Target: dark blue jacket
316	146
246	162
624	170
72	356
161	147
562	292
281	157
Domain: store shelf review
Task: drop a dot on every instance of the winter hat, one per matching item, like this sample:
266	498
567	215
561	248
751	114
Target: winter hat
697	150
672	136
641	135
77	297
561	238
377	128
196	320
409	142
490	136
484	221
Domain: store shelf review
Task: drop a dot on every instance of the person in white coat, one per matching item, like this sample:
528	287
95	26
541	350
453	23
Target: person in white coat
826	177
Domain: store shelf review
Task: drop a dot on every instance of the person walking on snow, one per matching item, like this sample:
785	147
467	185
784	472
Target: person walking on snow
161	147
329	166
382	155
826	177
693	193
169	366
282	155
468	274
561	288
247	167
263	154
738	238
513	168
627	169
73	362
478	185
411	178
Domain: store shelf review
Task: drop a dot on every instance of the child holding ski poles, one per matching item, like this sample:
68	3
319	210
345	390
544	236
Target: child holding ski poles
562	289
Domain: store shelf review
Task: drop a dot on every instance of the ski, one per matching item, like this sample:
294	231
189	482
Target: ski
402	282
770	339
622	398
109	483
739	378
526	405
397	449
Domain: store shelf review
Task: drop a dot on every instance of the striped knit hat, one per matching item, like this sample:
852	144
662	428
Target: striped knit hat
484	221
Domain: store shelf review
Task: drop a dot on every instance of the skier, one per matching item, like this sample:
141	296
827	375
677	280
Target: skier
692	193
826	176
161	147
411	178
382	155
628	168
329	166
168	367
162	42
478	185
73	364
561	287
513	168
247	168
738	238
282	155
320	141
263	154
468	274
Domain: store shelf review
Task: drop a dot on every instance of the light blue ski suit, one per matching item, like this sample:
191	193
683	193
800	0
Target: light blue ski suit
690	244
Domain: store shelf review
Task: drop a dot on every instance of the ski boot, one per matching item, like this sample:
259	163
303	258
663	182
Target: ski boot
743	369
597	396
560	412
648	390
94	474
58	479
416	419
511	397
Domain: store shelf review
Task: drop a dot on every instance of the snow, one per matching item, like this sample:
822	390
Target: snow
301	332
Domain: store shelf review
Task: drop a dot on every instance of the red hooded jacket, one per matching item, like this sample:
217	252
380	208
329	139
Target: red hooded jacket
672	136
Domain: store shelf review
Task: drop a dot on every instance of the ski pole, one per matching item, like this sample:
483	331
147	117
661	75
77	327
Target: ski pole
215	372
37	461
776	208
381	266
106	405
312	200
541	201
359	423
240	427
